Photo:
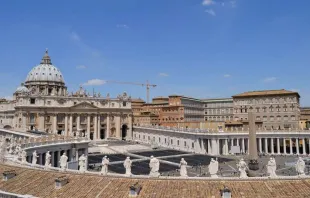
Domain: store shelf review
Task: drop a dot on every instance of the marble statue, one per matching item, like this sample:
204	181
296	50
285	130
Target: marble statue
243	167
183	170
272	167
105	163
154	165
3	150
24	157
82	163
11	147
300	167
63	161
34	157
48	157
213	168
127	166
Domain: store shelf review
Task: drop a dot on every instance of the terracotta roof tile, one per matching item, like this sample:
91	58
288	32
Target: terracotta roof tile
265	92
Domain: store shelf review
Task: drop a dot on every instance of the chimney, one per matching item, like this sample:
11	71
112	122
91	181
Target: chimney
226	193
61	181
134	190
8	175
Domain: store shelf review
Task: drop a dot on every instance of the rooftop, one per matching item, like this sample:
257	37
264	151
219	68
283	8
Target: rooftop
266	93
41	183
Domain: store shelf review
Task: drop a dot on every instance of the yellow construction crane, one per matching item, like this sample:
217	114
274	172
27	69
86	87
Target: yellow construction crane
147	85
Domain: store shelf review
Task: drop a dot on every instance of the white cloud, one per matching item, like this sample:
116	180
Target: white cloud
163	74
122	26
81	67
208	2
211	12
74	36
94	82
233	3
269	79
227	75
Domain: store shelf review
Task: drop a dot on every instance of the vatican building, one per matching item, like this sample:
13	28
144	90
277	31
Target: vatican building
42	103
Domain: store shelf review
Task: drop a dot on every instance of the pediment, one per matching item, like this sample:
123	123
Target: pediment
84	105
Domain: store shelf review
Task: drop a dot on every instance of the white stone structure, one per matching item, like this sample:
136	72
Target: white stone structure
105	164
274	142
127	166
272	167
242	167
213	168
42	103
154	166
82	163
183	168
300	167
63	161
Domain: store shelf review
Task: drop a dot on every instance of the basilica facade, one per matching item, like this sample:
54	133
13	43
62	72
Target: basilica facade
42	103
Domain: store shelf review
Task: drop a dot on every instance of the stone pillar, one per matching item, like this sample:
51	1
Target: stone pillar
66	125
260	145
129	130
78	122
278	146
243	145
108	127
291	146
209	147
58	156
238	142
40	158
71	125
118	126
98	126
226	147
272	146
88	126
297	146
41	126
55	123
303	146
95	127
253	164
266	145
214	147
284	146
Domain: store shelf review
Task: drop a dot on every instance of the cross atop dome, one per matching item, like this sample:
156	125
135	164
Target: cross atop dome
46	58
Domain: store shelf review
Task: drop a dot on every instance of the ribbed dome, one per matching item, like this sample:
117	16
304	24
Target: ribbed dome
45	72
22	89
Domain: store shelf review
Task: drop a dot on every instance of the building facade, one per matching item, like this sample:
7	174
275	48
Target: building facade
305	118
274	109
220	109
43	103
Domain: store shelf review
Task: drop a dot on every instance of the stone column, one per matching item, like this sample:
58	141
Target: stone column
231	142
71	125
266	145
303	146
66	125
278	146
284	146
129	130
214	147
95	127
252	141
226	147
260	145
243	145
118	126
40	158
108	127
272	146
238	142
98	126
88	126
209	147
78	122
41	122
297	146
291	146
58	156
309	144
55	123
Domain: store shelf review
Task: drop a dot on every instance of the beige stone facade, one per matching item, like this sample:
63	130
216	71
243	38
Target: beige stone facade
219	109
275	109
304	118
42	103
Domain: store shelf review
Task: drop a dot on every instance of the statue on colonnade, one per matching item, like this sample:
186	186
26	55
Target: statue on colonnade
82	163
154	165
213	168
243	167
300	167
183	170
63	161
127	165
34	157
47	160
272	167
105	163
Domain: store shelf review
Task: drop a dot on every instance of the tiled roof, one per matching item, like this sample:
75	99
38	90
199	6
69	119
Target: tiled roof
40	183
266	92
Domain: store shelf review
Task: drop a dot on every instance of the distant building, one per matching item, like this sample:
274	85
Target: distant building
305	118
274	109
220	109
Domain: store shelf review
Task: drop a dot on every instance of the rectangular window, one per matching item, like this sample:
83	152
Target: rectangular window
193	145
124	104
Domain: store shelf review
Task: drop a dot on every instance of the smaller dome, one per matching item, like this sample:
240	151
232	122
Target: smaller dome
22	89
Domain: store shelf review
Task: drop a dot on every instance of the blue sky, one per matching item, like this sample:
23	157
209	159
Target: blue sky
204	49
